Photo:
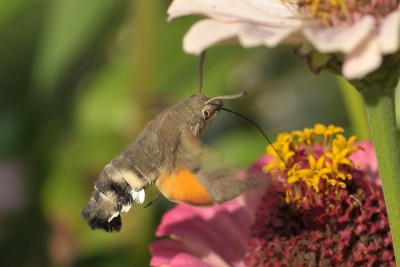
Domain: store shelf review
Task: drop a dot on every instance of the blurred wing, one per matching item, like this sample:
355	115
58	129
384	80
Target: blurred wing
198	177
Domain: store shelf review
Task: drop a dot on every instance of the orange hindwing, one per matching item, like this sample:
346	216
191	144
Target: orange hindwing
183	186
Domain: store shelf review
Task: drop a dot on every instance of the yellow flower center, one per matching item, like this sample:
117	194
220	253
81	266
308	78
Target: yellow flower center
338	12
312	162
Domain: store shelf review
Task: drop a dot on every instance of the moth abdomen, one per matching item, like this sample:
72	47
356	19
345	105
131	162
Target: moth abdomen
100	214
112	195
124	167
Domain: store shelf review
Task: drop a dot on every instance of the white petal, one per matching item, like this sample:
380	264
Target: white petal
252	35
271	12
138	196
206	33
389	35
363	60
339	39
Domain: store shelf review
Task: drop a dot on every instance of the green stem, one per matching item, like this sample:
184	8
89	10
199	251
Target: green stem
380	104
355	110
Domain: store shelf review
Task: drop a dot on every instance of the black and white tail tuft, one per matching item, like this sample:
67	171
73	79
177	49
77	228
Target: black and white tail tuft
109	199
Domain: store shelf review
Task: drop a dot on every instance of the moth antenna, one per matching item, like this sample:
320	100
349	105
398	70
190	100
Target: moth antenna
201	64
257	126
153	200
225	97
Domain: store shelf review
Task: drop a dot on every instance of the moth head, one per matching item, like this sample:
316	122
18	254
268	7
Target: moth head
210	110
203	110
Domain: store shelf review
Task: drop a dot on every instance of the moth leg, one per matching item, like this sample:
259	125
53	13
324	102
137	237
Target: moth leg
153	200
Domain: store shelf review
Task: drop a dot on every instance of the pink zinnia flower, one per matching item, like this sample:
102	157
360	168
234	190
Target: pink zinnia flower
324	208
362	32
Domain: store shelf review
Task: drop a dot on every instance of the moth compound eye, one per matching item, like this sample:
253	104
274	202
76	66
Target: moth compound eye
206	114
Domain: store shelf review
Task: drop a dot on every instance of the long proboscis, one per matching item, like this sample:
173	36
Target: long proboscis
258	127
226	97
201	65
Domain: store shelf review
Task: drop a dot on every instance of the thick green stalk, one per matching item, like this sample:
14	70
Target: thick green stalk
380	105
355	110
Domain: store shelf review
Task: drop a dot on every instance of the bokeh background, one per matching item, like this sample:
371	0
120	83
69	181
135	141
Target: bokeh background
80	79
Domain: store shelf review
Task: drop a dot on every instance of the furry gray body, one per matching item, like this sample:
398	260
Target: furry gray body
171	141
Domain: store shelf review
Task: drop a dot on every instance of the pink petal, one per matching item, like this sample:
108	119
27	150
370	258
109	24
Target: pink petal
164	251
216	234
185	260
174	253
343	39
363	60
206	33
252	35
271	12
365	160
366	157
389	35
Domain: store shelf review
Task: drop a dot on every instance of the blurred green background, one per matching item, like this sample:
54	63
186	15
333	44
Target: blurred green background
80	79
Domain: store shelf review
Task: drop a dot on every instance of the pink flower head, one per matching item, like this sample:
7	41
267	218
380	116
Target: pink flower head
325	207
362	31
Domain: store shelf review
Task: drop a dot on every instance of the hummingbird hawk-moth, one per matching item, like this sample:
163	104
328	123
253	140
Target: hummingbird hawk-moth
170	154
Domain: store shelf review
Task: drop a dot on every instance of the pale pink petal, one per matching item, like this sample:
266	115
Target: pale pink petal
363	60
340	39
271	12
254	35
389	35
206	33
